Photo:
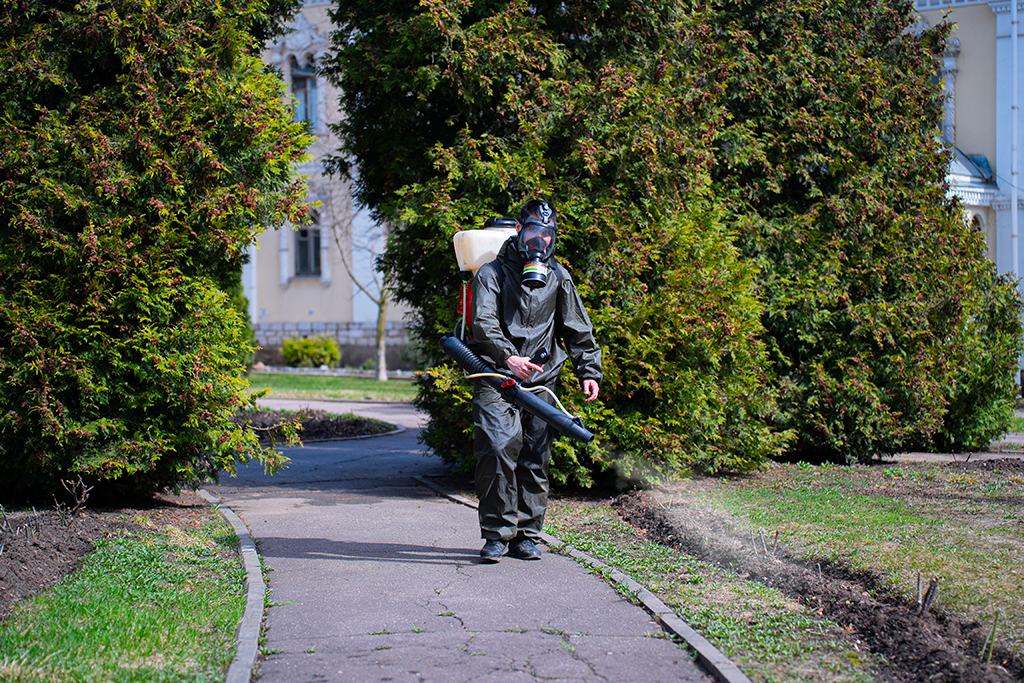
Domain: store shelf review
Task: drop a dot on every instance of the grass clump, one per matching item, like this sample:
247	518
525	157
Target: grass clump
152	603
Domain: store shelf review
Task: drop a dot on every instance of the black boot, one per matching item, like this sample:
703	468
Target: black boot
493	550
524	549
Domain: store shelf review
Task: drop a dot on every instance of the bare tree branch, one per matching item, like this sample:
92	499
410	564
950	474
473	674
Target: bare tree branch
346	243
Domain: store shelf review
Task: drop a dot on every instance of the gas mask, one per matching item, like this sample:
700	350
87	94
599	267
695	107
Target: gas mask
536	244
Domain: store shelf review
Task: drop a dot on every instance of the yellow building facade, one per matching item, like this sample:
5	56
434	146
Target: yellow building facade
983	79
301	281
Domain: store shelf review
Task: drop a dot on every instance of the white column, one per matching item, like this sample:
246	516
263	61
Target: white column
1008	76
284	242
1007	161
1015	135
949	72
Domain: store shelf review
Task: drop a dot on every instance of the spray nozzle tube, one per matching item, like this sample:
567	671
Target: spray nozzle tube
509	389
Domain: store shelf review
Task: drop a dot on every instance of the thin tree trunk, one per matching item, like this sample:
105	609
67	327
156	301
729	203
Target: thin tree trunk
382	342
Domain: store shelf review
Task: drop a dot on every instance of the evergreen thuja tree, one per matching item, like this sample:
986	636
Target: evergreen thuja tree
142	148
876	291
603	110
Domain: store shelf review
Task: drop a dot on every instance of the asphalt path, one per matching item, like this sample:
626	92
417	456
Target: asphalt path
374	577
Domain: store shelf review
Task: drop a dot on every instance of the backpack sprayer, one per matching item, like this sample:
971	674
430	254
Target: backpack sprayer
474	248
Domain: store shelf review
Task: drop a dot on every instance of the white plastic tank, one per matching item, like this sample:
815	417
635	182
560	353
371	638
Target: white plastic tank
474	248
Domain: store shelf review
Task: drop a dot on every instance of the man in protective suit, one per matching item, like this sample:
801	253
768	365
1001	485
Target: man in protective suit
522	301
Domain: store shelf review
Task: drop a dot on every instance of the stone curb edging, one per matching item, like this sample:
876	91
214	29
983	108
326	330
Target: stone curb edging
248	635
717	664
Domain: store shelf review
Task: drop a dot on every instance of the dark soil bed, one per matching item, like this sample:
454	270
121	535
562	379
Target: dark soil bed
41	547
932	646
315	425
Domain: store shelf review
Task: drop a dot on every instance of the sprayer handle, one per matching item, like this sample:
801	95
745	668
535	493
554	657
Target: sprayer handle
541	357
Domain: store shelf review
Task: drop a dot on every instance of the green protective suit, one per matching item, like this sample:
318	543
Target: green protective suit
513	447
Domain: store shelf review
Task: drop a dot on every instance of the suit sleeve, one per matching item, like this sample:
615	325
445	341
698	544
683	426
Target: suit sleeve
573	327
487	331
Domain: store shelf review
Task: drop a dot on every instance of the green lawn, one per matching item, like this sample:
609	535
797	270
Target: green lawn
960	523
324	386
152	603
769	636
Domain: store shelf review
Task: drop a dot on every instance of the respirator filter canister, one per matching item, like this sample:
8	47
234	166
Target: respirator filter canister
535	274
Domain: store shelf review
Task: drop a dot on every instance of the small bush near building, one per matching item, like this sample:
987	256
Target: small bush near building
311	353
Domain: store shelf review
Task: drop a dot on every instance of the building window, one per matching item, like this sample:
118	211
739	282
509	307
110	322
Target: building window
304	90
307	249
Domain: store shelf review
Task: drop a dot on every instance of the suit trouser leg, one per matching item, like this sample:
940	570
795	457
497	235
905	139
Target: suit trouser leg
532	475
497	440
513	451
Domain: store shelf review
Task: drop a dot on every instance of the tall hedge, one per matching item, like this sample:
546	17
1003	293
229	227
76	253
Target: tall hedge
142	148
753	207
599	109
887	326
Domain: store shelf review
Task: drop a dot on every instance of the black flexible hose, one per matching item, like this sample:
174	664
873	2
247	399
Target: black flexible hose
509	389
468	360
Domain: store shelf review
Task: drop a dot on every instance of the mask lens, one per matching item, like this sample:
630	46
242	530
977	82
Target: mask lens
541	236
535	245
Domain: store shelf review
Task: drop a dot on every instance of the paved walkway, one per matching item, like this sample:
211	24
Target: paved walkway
375	578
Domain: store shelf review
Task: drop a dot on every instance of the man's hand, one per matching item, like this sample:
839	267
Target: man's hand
521	366
590	390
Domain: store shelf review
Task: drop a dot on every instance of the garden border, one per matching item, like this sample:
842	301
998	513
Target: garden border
247	636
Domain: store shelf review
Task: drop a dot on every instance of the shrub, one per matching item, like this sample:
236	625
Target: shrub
621	147
835	175
311	353
807	129
142	148
685	381
980	390
140	392
446	397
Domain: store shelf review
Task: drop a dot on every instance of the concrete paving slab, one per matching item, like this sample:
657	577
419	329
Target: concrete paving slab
410	567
